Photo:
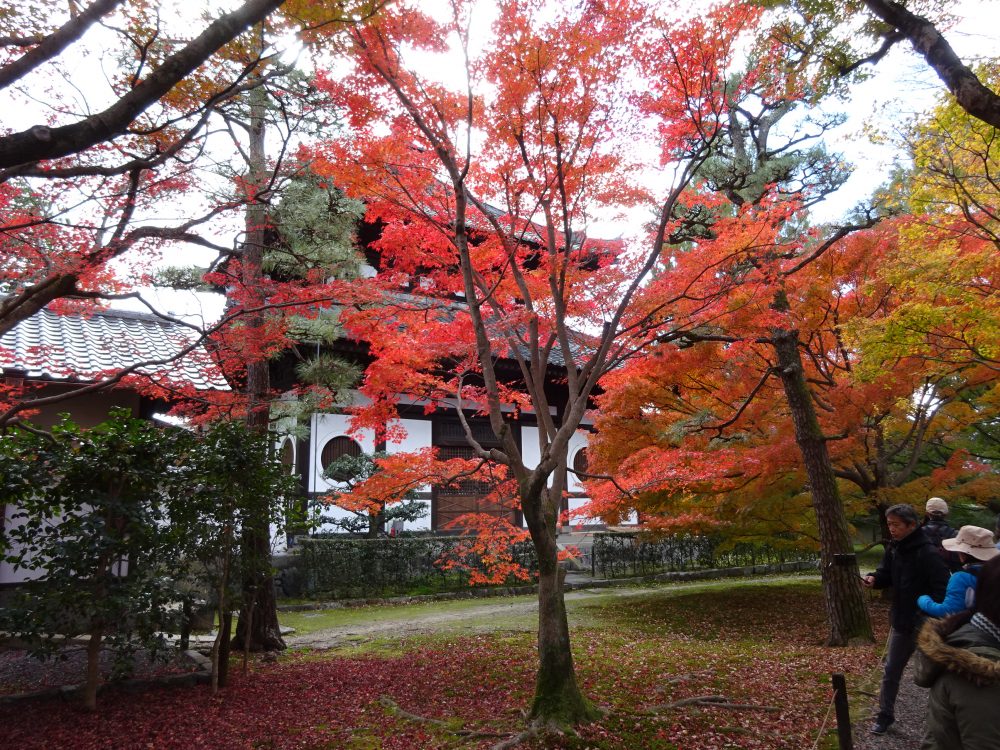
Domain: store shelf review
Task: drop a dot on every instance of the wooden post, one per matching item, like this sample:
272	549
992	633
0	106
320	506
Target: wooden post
843	712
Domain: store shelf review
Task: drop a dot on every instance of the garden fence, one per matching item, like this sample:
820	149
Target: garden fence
625	555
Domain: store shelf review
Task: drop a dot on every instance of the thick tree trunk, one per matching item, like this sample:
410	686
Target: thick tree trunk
558	702
848	615
259	597
258	581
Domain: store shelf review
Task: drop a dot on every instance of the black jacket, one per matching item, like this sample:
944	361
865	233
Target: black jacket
911	567
937	530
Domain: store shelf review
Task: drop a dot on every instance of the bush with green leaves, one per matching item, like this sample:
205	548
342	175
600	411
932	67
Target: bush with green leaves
618	554
91	534
116	526
341	567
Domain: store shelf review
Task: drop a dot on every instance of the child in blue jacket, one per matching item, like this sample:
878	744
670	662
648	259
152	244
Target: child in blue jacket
974	546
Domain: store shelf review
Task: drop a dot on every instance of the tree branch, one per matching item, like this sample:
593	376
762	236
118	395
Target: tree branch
40	142
970	93
51	45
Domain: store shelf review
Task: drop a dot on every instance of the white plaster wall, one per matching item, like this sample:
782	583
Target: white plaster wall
577	443
418	437
573	484
328	426
532	455
7	572
323	428
529	446
279	541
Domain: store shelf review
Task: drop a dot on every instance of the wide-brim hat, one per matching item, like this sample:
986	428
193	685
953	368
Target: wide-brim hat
973	540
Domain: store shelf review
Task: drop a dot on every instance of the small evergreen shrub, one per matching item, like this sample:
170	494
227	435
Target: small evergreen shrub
623	555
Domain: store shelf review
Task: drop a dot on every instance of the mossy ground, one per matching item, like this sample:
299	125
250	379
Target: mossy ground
756	645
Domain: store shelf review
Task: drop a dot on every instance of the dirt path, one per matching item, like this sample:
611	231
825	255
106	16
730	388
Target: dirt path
491	616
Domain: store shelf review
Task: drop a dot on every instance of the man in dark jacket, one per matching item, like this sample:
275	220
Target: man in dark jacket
911	566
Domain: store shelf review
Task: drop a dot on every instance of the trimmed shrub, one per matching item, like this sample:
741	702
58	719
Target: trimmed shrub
346	568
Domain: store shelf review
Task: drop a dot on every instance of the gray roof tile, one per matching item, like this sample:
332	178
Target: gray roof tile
85	347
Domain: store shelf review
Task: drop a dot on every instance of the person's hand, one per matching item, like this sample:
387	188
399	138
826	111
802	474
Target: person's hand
868	581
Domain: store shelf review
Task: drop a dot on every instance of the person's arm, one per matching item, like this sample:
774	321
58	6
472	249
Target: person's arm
954	596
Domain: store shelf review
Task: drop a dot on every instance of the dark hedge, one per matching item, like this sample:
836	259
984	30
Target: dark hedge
346	568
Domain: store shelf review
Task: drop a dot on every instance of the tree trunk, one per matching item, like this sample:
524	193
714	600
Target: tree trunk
258	581
93	680
845	603
225	647
259	596
558	702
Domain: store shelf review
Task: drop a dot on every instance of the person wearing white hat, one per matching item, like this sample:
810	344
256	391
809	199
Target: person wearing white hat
974	546
937	529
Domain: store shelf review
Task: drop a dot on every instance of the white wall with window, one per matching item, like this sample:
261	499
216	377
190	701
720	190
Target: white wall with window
576	458
330	438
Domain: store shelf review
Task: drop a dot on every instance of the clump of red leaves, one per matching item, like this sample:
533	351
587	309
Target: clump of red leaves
759	646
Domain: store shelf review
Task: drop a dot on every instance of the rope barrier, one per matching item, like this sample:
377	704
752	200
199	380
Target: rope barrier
822	727
833	700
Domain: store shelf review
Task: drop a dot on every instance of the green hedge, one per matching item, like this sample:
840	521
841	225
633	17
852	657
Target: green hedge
622	555
346	568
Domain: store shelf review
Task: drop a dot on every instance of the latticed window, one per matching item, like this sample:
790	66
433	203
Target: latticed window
580	462
452	502
336	448
452	433
469	487
287	454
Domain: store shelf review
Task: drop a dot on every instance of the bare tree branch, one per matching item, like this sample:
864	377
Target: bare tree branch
41	142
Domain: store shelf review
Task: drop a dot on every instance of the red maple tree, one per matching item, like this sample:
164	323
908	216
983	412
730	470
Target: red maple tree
484	192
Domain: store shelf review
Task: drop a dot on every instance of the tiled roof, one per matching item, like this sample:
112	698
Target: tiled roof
86	347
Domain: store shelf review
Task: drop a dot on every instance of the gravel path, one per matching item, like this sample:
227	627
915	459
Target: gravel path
908	730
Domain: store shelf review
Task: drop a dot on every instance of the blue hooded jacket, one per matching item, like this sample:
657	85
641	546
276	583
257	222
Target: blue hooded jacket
959	595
